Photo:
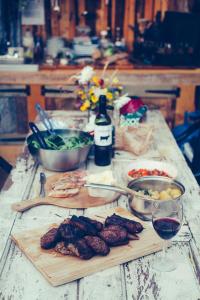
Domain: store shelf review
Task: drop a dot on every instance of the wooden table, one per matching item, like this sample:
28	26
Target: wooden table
133	280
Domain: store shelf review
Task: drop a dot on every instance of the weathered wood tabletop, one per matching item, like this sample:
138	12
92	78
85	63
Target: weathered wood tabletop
133	280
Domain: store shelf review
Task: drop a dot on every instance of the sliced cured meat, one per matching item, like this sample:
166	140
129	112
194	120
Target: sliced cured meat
68	184
63	193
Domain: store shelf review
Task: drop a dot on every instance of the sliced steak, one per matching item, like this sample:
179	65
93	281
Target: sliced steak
50	239
98	225
97	245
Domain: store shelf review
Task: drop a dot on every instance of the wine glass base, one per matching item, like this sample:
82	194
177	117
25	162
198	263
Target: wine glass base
164	264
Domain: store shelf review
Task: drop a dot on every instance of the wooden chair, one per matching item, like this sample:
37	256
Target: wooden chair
5	169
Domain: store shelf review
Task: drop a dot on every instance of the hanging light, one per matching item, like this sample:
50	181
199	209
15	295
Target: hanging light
55	5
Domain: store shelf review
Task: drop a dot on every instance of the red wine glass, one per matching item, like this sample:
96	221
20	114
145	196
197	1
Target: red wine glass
166	219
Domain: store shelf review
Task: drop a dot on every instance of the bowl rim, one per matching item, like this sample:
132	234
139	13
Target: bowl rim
162	178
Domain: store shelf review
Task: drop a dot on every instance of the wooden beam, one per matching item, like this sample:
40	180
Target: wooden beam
148	11
164	6
67	19
132	76
156	7
102	17
55	24
113	14
35	97
129	20
81	9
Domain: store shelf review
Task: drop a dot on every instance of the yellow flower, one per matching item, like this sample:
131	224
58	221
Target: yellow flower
91	91
94	99
95	79
109	96
83	108
87	103
80	92
83	96
120	87
115	80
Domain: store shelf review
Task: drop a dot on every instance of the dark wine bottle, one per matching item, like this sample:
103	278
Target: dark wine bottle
103	135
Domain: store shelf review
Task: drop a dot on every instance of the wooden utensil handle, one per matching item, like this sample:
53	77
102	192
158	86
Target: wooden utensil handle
26	204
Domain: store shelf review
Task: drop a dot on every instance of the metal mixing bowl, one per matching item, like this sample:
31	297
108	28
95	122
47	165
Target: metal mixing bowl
60	160
142	205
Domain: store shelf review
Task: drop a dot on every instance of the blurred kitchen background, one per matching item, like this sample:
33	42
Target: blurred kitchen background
55	38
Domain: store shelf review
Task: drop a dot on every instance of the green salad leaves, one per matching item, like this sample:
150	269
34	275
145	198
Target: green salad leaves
57	142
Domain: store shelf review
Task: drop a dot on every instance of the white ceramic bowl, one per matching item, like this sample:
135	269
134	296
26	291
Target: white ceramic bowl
170	169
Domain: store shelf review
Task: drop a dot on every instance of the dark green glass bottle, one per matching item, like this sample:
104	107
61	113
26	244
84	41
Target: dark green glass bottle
103	135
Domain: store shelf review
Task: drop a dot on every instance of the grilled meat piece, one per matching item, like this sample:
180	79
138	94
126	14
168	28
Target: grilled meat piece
118	227
114	235
63	249
86	227
50	239
69	232
97	245
133	237
98	225
81	249
120	243
131	226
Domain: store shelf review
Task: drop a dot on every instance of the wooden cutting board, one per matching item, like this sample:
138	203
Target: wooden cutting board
81	200
59	269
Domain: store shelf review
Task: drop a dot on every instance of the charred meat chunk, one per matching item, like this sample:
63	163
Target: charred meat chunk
114	235
131	226
69	232
50	239
81	249
62	248
129	236
98	225
86	227
78	248
97	245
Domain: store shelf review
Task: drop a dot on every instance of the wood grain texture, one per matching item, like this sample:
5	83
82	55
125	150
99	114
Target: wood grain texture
59	269
132	76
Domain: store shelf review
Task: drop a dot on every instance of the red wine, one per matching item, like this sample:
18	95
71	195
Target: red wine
103	135
166	228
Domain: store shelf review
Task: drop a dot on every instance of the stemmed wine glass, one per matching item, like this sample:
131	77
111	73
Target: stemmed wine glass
166	219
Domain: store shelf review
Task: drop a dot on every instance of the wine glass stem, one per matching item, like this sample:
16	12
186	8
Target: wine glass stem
164	250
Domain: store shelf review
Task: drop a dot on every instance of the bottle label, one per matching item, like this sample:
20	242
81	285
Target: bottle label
103	135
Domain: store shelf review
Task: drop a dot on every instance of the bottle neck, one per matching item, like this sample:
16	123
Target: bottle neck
102	109
102	105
